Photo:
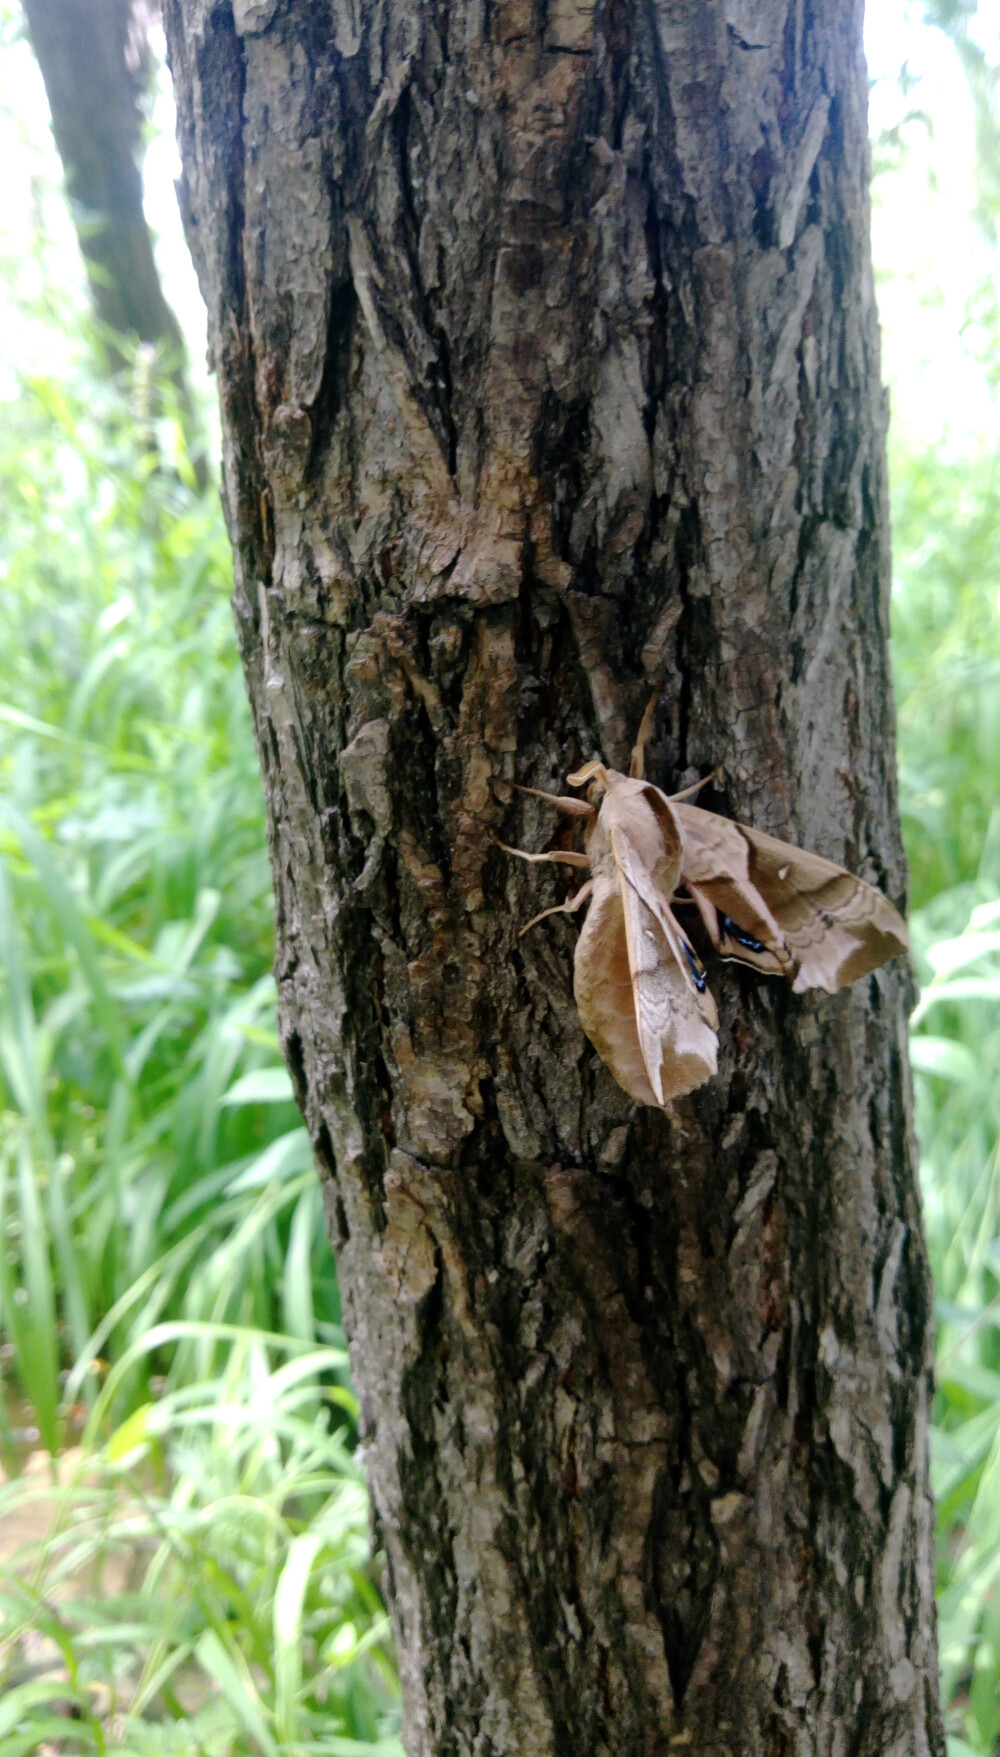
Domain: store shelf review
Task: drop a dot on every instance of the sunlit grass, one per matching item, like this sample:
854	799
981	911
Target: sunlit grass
198	1579
946	616
201	1582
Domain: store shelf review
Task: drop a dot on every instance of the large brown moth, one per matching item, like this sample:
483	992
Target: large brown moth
640	987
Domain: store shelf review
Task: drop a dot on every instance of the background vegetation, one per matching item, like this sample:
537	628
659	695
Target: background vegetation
193	1574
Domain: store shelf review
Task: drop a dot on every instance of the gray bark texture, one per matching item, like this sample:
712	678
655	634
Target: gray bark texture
549	367
92	55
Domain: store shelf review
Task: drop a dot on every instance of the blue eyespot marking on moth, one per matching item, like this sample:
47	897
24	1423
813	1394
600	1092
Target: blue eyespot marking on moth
729	930
698	976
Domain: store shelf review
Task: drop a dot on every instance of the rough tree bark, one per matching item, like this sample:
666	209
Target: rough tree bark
549	369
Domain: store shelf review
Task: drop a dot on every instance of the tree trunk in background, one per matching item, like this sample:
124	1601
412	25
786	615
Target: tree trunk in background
549	367
84	49
93	58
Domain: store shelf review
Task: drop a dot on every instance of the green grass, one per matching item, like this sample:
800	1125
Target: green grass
135	941
204	1581
946	615
168	1300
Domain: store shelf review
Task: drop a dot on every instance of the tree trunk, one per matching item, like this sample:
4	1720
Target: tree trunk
93	59
82	48
549	367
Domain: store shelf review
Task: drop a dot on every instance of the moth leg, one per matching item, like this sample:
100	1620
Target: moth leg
689	792
569	908
637	766
561	857
568	807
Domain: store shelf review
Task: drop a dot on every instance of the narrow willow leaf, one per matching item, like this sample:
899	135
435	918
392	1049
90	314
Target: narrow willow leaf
262	1086
236	1685
288	1606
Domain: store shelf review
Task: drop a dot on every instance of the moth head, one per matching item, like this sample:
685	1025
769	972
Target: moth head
597	775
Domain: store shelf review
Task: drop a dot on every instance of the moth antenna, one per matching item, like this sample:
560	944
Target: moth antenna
717	774
637	765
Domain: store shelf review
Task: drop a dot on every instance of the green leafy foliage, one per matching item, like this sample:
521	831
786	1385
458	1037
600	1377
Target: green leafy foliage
136	1009
946	618
946	626
202	1581
972	31
168	1301
946	622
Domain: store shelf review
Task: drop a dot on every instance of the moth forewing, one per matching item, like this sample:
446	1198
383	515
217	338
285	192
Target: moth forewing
637	993
676	1029
602	987
633	1001
633	874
